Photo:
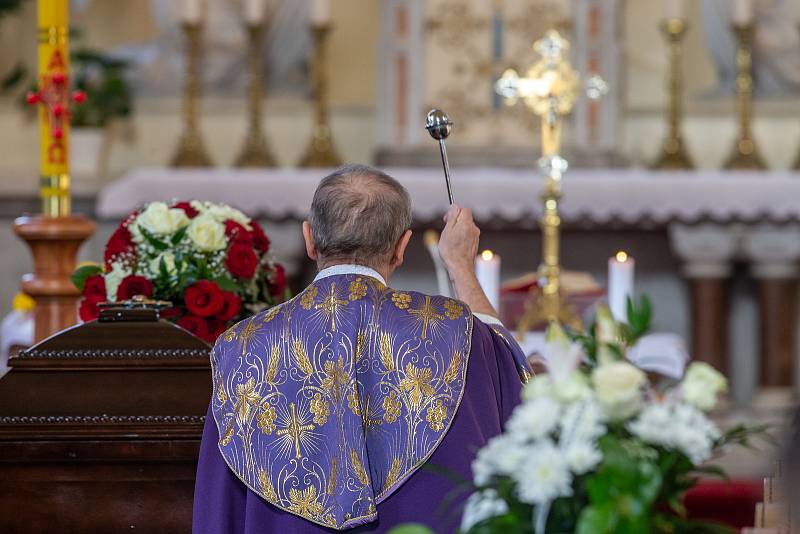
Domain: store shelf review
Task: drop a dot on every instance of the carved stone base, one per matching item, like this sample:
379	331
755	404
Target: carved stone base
54	243
778	314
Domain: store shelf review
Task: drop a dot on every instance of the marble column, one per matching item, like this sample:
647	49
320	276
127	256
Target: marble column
707	252
773	252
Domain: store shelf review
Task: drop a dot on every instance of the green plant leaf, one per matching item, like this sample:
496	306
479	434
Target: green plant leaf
80	275
226	283
411	528
153	240
597	519
178	236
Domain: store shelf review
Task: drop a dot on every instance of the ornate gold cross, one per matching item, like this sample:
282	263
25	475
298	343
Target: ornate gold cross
294	429
426	314
330	306
549	89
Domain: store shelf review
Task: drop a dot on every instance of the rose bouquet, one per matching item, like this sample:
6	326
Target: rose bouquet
596	446
209	260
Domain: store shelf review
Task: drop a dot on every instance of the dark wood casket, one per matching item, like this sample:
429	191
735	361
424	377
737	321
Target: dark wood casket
100	427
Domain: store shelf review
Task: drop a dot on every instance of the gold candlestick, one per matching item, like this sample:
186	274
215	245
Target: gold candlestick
191	151
673	150
255	152
796	165
321	151
549	90
745	155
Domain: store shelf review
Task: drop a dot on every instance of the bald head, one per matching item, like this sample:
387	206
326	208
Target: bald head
358	214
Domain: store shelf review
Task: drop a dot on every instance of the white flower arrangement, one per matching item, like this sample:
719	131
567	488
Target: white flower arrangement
586	450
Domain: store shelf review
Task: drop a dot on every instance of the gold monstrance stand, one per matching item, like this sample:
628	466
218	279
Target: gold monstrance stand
549	90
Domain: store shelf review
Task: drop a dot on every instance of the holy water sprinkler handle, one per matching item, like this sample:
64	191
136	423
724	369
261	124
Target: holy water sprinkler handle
439	126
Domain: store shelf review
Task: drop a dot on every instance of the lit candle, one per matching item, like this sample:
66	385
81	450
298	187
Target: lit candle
193	11
742	13
254	10
620	284
673	9
320	12
487	270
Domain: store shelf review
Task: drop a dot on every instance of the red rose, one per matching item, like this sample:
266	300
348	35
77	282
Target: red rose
277	281
215	329
187	209
89	310
119	243
95	286
260	239
237	233
230	308
241	260
204	298
133	285
194	324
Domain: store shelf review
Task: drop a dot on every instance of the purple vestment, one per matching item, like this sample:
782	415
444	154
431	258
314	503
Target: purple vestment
325	408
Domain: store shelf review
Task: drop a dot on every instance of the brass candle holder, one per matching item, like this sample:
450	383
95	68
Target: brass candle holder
673	150
549	89
255	152
191	151
321	151
745	155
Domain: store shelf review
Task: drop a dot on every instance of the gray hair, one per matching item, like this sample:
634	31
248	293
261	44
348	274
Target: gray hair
359	213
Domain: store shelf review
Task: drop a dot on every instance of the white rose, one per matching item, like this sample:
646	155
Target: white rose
206	233
169	263
618	388
702	385
222	213
158	219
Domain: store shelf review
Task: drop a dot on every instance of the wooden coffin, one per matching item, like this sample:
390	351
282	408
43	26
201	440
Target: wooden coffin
100	427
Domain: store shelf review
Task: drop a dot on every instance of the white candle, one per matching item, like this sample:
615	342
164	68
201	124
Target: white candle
254	10
742	12
193	11
620	284
673	9
320	12
487	270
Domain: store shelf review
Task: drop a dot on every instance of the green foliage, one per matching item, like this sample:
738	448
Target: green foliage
639	319
102	78
80	275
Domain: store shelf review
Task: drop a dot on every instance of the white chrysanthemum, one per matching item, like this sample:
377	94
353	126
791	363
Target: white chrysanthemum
582	456
539	386
113	278
207	233
534	419
160	219
583	422
500	457
544	475
702	385
680	426
481	506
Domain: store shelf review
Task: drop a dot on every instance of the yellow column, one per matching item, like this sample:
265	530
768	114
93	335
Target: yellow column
54	100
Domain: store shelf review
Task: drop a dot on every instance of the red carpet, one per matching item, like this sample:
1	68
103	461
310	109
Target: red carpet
732	503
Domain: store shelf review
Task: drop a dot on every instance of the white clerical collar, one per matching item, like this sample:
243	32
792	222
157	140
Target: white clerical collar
336	270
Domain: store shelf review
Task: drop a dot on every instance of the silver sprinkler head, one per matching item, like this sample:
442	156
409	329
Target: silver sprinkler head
438	124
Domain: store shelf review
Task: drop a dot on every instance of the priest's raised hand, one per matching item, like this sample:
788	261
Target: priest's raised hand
327	409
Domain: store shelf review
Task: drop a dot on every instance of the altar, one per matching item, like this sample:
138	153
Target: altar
718	249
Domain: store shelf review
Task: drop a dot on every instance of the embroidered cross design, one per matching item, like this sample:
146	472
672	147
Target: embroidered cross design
330	306
426	314
294	429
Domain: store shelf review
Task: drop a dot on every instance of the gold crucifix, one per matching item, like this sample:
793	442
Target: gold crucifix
330	306
549	89
294	429
426	314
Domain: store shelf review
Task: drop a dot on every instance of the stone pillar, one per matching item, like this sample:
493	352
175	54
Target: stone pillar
707	252
773	252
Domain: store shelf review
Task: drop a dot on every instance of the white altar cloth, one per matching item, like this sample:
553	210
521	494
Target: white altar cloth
603	196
